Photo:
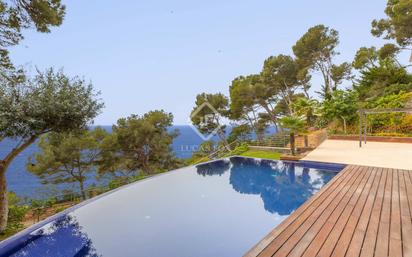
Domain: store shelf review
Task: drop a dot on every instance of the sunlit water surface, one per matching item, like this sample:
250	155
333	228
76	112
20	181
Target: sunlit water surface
222	208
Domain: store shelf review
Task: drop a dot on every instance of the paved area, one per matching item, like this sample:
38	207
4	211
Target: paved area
376	154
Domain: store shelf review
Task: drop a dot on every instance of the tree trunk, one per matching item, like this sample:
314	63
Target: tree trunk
83	193
259	136
344	125
292	143
222	137
145	165
4	164
306	138
272	117
4	205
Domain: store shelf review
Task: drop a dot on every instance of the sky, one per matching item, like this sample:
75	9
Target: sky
159	54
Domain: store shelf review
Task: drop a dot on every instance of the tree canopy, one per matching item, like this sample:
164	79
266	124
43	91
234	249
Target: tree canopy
140	144
208	112
315	50
397	25
29	108
16	16
68	157
282	74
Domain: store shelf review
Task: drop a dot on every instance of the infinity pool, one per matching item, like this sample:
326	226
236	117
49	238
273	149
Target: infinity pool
222	208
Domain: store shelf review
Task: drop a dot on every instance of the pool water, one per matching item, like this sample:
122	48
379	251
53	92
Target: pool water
222	208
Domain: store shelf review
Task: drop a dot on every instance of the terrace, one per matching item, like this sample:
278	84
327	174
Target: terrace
366	210
375	154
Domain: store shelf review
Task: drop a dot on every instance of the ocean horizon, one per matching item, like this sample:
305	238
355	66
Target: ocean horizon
25	184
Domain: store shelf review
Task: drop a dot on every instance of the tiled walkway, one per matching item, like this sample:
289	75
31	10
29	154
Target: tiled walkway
376	154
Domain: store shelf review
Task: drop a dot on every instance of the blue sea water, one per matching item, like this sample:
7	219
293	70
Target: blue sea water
25	184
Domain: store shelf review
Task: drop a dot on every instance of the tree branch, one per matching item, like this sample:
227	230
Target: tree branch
17	150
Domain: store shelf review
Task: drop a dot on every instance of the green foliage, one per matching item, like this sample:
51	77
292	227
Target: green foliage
242	96
364	57
390	122
206	148
368	58
115	183
17	16
247	94
39	207
294	124
240	149
282	74
17	212
208	112
261	154
385	78
68	157
341	106
240	132
398	100
318	43
315	50
308	108
139	143
388	51
397	25
51	101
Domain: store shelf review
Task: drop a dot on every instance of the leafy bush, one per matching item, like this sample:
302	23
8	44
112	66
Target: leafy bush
240	149
385	134
17	212
390	122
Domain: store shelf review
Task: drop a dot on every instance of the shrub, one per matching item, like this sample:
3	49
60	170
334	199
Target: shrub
240	149
17	212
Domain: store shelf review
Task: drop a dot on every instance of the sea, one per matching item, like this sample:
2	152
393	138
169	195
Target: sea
27	185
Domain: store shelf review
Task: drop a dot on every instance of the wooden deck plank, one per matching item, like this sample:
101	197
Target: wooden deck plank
303	214
358	237
395	234
339	225
319	225
326	198
364	212
342	177
382	248
311	227
369	244
364	205
405	199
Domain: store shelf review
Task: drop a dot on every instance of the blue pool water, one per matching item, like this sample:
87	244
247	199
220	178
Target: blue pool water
221	208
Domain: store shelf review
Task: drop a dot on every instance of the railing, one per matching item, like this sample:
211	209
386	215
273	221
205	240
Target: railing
220	152
76	196
281	142
277	140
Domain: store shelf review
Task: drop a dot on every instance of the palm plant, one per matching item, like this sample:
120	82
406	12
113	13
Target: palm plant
306	107
295	125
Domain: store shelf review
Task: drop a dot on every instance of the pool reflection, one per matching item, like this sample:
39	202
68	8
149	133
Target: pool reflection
213	168
176	211
63	237
272	181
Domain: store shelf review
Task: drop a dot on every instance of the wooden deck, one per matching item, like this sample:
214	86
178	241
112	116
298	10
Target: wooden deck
363	211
